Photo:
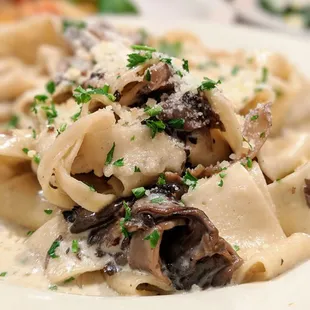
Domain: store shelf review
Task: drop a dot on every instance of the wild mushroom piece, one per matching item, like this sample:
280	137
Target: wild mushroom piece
307	191
136	92
188	250
194	109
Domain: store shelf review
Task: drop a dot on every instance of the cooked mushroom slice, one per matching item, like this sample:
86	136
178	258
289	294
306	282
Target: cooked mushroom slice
137	92
181	244
257	128
194	109
307	191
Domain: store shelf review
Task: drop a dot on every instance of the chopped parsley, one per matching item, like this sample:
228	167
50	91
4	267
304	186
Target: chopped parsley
132	138
172	49
3	274
40	98
34	134
25	150
75	246
249	144
161	179
157	200
139	192
153	111
48	211
265	74
135	59
51	252
236	247
50	112
177	123
79	24
13	122
29	233
222	175
220	183
125	219
249	162
235	70
137	169
82	95
262	134
279	93
119	162
254	117
143	48
148	75
208	84
91	187
110	155
50	87
69	280
61	129
185	65
190	180
155	126
77	115
179	73
37	158
168	61
53	287
278	180
153	238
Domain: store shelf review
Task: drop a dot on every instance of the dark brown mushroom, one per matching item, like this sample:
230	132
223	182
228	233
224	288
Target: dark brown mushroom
307	191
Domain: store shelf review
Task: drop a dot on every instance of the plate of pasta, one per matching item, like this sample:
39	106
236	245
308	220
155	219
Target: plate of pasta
170	163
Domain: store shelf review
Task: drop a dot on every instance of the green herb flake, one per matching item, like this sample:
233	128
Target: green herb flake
77	115
52	249
3	274
75	246
179	73
29	233
158	200
119	162
190	180
132	138
148	75
249	162
220	183
62	128
82	95
13	122
53	287
50	87
37	158
69	280
222	175
265	74
137	169
153	111
155	126
161	179
235	70
254	117
40	98
110	155
143	48
25	150
153	238
208	84
177	123
262	135
125	219
236	247
139	192
185	65
34	134
79	24
50	112
279	93
278	180
135	59
48	211
168	61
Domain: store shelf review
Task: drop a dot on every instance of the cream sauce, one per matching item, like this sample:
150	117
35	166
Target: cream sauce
23	269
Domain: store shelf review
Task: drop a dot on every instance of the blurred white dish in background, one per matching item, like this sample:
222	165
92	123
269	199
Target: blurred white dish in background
215	10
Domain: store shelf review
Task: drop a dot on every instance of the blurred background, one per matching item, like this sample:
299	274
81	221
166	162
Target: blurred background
289	16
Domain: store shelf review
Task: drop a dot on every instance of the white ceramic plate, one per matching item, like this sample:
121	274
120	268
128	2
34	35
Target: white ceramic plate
249	10
287	292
